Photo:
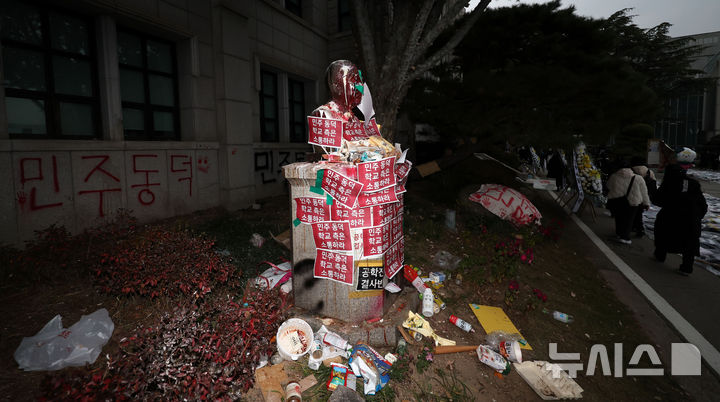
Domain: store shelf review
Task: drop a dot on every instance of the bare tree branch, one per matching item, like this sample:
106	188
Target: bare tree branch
411	50
446	50
447	19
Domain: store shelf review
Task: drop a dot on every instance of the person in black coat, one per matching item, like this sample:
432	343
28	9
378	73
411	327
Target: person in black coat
556	169
678	224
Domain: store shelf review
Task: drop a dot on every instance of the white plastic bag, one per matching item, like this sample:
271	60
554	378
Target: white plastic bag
55	347
273	276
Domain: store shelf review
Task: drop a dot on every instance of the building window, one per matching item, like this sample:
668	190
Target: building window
298	115
148	87
294	6
50	75
344	17
683	121
269	127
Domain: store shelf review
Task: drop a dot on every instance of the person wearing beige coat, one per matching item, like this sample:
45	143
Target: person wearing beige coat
651	185
625	183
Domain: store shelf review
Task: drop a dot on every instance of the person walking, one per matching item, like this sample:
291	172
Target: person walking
626	191
678	224
648	196
556	169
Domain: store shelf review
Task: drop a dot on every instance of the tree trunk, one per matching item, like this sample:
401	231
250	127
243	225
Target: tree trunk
394	38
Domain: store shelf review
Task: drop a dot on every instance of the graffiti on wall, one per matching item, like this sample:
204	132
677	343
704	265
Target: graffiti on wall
99	176
31	171
269	163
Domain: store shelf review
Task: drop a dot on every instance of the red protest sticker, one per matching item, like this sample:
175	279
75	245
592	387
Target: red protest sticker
396	229
371	128
402	170
377	198
377	175
312	210
376	240
357	217
399	206
332	235
354	131
382	214
394	258
325	132
343	189
334	266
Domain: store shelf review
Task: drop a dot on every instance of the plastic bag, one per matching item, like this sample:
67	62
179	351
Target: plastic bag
446	261
55	347
365	362
273	276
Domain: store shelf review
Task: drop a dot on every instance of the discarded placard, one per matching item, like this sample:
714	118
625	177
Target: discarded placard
548	380
494	319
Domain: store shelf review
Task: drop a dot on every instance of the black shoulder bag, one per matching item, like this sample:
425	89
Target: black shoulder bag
620	203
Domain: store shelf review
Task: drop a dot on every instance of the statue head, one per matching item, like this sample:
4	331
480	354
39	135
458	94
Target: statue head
345	84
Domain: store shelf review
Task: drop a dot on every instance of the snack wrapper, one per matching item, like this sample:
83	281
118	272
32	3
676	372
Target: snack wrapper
418	323
365	362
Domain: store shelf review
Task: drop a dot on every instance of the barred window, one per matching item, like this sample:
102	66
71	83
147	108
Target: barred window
50	75
148	87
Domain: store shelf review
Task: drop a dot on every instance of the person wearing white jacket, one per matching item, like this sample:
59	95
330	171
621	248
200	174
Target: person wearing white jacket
651	186
626	192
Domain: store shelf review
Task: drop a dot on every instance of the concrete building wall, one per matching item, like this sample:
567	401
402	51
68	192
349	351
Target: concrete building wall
221	48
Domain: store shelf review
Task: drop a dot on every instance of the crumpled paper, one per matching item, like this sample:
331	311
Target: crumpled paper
417	323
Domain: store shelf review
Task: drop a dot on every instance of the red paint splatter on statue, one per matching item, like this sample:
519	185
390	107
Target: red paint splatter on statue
345	83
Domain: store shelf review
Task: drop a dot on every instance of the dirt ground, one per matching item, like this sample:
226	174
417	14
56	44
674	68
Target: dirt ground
560	270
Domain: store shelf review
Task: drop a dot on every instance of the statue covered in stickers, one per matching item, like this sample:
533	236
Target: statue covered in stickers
351	201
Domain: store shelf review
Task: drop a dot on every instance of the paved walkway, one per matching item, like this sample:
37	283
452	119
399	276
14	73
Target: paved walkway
659	296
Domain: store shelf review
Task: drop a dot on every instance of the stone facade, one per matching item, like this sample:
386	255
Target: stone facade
219	158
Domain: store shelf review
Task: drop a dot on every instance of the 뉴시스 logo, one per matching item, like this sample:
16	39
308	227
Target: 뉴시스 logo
685	359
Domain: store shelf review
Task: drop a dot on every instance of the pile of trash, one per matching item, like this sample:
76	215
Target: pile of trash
501	349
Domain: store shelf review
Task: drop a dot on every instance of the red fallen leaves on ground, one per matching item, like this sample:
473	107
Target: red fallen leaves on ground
163	262
206	351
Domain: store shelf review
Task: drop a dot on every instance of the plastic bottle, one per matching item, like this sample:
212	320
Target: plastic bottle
462	324
439	304
401	347
562	317
336	340
428	302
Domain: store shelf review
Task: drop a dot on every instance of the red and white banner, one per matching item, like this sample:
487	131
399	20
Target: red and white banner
334	266
377	198
507	203
312	210
343	189
394	258
376	240
332	235
357	217
325	132
377	175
